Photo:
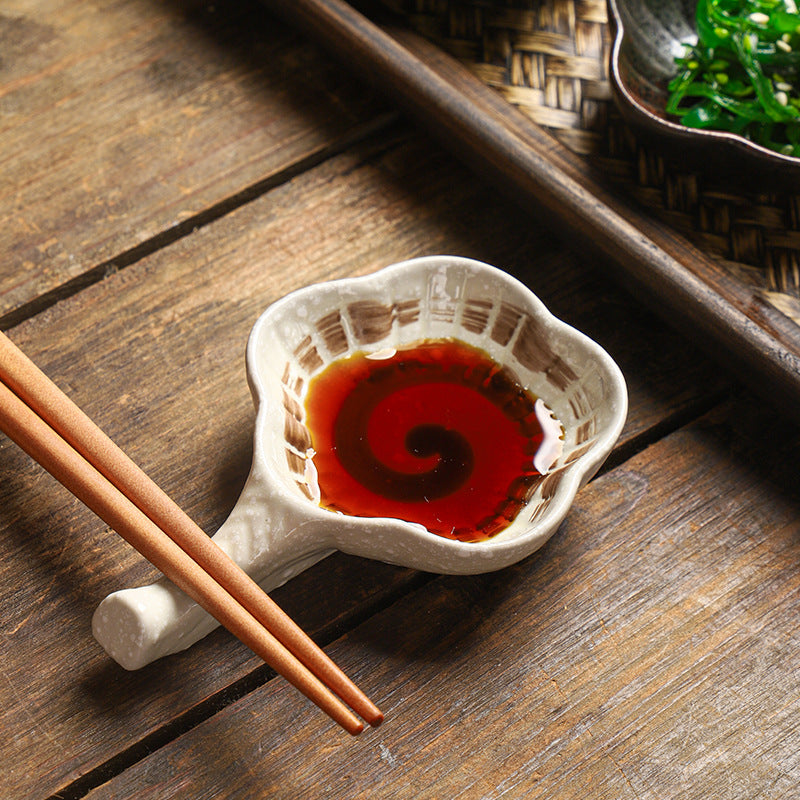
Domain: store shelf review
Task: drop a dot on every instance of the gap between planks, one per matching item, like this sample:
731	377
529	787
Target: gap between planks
164	238
261	675
223	698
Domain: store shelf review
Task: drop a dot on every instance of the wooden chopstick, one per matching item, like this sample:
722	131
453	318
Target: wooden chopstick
42	420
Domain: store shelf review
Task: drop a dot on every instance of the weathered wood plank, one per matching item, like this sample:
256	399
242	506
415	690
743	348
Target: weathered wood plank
121	121
649	651
155	355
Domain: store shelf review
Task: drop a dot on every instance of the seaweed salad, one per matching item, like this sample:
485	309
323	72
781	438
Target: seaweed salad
743	75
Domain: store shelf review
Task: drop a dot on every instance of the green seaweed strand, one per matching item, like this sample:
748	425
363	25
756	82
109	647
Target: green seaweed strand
743	75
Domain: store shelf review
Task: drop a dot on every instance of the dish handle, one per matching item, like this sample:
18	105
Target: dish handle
270	540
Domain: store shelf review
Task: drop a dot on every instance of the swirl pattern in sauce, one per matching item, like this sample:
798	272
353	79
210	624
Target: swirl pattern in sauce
437	434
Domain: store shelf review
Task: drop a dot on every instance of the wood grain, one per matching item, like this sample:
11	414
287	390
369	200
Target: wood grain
120	123
154	354
680	282
649	651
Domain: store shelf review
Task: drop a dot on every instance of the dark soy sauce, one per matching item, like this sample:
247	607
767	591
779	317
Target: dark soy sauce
437	434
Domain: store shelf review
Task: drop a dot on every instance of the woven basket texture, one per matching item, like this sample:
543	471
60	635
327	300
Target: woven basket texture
549	58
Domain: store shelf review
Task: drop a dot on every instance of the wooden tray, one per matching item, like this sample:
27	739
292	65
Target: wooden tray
699	292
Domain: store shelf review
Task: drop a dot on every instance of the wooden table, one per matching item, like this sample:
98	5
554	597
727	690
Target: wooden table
171	168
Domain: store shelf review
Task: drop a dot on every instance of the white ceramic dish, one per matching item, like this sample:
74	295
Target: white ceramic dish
277	530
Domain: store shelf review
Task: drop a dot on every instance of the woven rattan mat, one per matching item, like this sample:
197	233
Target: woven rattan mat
549	58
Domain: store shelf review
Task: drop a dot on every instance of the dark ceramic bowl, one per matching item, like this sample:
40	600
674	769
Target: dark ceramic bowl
648	35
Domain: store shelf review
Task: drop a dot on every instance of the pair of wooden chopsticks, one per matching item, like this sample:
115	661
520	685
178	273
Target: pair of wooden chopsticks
45	423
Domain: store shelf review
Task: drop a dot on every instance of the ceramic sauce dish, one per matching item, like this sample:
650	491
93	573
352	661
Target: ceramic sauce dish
277	528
